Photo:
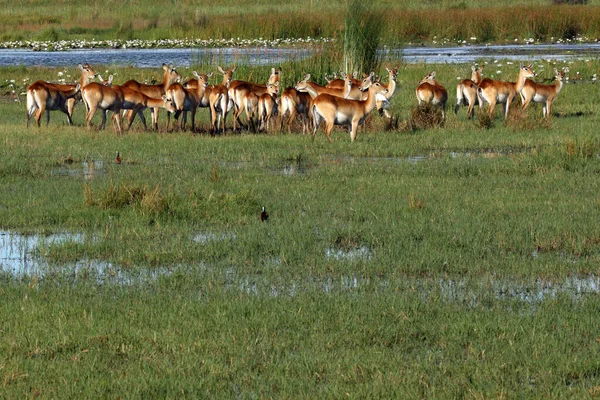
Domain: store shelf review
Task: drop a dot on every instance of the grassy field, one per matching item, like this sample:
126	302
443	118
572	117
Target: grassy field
415	262
404	22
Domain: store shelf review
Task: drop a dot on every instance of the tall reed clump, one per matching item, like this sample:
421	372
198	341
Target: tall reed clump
362	36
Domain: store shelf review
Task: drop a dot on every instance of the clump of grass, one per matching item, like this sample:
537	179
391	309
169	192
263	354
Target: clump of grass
425	117
122	196
362	35
581	148
485	121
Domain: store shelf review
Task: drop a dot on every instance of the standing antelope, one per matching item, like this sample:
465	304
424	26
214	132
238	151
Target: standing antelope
294	102
494	92
218	97
155	91
466	91
545	94
238	90
98	96
338	111
315	89
188	99
391	87
267	106
45	97
138	102
430	91
357	90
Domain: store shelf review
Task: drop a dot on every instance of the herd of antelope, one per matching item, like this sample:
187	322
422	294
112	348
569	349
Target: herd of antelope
346	101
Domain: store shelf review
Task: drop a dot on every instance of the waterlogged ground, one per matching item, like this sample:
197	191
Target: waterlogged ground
450	261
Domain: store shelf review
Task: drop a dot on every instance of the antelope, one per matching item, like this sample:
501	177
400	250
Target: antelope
218	99
138	102
188	99
44	98
267	106
41	93
494	92
315	89
155	91
352	92
391	87
430	91
294	102
339	111
545	94
238	90
337	83
98	96
466	91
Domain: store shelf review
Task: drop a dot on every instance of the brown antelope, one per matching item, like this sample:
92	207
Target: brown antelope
545	94
430	91
466	91
294	102
238	90
45	98
267	106
494	92
315	89
155	91
339	111
98	96
138	102
218	98
40	94
188	99
391	87
338	83
354	92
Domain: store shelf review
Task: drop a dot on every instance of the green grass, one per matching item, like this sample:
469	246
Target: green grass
263	309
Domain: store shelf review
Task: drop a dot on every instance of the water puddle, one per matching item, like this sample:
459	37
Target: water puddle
20	254
86	169
362	253
21	259
207	237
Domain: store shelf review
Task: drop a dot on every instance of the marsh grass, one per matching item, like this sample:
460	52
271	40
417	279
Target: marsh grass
363	28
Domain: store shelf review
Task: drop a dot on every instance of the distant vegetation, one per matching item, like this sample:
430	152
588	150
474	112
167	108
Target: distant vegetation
402	21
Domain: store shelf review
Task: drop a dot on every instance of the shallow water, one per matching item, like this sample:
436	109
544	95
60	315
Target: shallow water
20	259
186	57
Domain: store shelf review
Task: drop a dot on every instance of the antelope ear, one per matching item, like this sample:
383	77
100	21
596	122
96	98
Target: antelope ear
80	66
110	79
209	75
272	70
388	70
307	77
566	69
473	68
164	97
196	74
276	84
432	74
220	70
233	69
165	67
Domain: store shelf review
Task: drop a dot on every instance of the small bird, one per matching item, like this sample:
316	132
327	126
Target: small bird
118	158
264	215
